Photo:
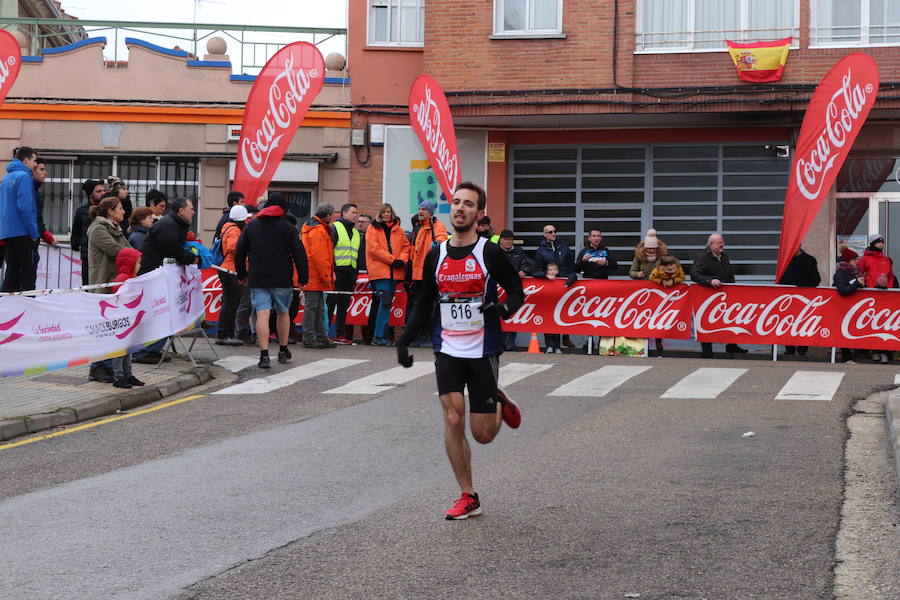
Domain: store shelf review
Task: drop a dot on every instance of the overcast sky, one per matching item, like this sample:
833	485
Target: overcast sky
290	13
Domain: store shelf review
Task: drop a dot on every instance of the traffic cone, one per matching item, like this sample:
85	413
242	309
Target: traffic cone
533	346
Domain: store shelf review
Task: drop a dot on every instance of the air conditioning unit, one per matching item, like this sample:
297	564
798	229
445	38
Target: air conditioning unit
233	133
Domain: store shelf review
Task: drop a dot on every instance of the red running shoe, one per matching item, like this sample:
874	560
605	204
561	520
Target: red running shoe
467	506
512	414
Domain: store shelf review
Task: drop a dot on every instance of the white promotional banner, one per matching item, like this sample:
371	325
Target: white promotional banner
59	268
63	330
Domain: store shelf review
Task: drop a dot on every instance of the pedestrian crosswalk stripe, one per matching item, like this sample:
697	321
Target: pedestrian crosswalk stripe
510	373
236	362
811	385
384	380
600	382
705	382
270	383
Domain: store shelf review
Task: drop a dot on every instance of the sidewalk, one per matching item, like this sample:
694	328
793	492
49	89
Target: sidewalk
32	403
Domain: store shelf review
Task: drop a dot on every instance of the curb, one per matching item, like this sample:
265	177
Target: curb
101	407
892	413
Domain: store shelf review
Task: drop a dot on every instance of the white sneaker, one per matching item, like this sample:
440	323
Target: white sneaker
884	358
559	351
549	350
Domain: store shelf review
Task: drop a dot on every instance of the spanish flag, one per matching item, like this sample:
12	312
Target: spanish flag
760	62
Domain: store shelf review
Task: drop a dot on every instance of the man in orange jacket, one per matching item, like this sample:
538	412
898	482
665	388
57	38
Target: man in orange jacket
427	233
316	236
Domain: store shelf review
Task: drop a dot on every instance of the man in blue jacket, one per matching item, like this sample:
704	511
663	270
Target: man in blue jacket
19	221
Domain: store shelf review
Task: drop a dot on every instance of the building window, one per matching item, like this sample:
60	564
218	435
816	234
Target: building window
174	176
527	17
696	25
396	22
855	23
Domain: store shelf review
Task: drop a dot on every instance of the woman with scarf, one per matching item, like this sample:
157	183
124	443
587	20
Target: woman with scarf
847	279
387	252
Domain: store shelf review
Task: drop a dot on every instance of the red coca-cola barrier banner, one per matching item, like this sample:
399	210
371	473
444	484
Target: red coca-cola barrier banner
748	314
278	102
835	116
604	307
430	118
10	62
357	313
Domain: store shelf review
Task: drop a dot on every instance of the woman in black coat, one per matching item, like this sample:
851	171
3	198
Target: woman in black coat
802	271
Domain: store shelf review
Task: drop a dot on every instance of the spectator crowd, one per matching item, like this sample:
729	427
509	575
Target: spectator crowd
265	258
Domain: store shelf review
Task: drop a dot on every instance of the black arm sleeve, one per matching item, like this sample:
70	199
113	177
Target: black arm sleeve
240	254
423	309
298	253
170	244
77	233
503	273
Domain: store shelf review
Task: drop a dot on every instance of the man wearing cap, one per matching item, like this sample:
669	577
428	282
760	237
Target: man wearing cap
232	290
427	234
486	230
346	239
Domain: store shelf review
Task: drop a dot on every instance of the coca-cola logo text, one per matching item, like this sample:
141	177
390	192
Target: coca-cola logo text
863	321
780	316
842	116
428	117
286	93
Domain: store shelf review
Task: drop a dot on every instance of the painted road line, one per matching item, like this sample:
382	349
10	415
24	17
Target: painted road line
384	380
512	372
897	379
263	385
237	362
706	382
811	385
143	411
597	384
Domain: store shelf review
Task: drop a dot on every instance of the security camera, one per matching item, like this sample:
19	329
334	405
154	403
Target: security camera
782	151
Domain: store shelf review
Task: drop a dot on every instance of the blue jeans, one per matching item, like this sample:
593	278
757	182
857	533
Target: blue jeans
385	289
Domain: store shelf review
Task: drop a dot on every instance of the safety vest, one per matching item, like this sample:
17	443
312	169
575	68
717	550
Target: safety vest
347	249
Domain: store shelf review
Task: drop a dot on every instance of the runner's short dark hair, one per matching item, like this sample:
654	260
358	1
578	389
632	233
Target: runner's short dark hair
482	197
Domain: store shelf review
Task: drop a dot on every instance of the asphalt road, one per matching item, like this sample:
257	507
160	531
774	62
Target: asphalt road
298	493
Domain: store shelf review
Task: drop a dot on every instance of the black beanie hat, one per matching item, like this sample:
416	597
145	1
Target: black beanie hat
88	187
276	199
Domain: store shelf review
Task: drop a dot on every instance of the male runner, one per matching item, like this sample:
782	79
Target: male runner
459	296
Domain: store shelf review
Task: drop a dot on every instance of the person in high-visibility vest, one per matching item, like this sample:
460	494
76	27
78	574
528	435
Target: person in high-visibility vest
486	230
346	238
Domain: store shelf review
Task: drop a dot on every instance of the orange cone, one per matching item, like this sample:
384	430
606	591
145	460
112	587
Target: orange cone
533	346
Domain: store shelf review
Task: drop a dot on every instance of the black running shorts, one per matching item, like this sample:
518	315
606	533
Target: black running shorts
478	374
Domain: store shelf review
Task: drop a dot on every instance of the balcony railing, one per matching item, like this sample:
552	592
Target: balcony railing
249	46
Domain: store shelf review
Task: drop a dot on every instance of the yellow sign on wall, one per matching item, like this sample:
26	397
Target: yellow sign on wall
496	152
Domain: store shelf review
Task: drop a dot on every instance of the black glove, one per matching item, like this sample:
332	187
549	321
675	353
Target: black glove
571	279
403	356
398	264
492	308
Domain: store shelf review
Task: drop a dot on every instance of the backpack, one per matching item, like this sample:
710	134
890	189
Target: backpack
216	251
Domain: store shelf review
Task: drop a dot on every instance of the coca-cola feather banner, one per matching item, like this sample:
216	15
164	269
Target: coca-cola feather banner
835	116
277	104
10	62
429	115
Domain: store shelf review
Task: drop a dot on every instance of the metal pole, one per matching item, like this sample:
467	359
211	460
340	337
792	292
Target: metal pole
774	352
833	352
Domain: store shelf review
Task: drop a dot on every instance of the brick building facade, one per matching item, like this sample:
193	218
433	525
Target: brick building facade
626	115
